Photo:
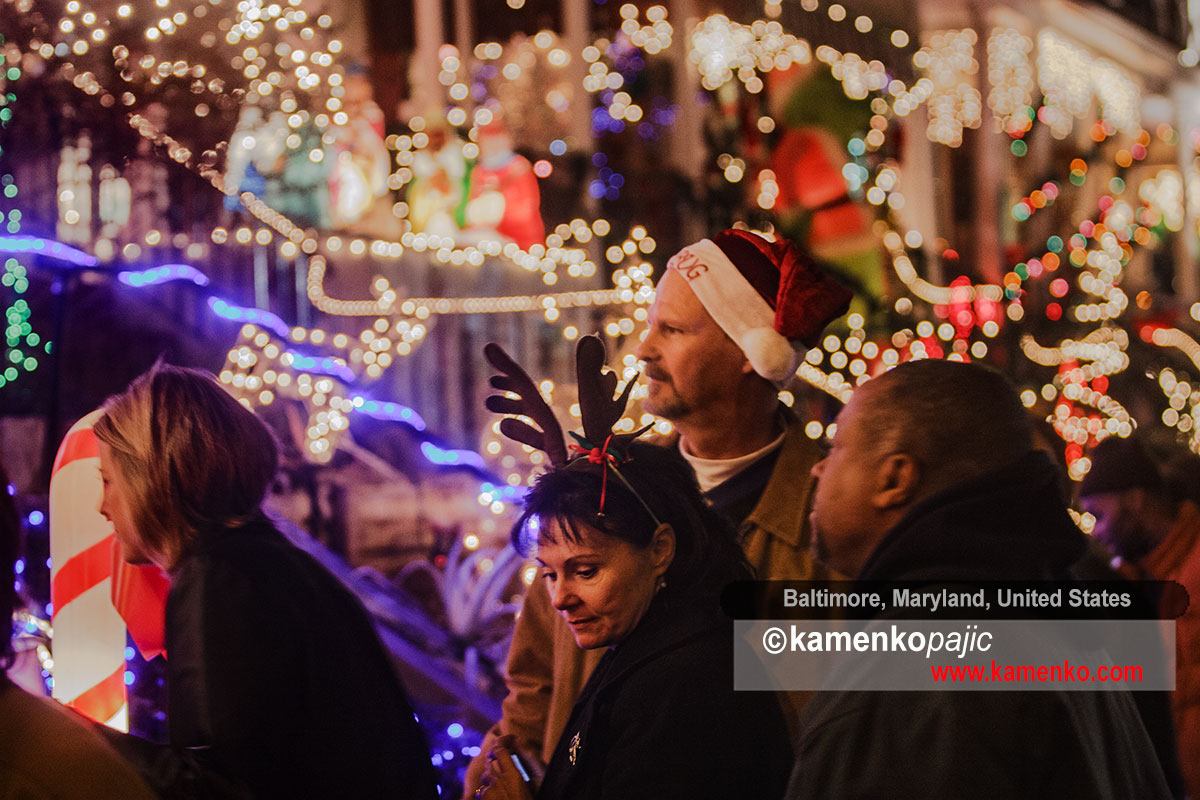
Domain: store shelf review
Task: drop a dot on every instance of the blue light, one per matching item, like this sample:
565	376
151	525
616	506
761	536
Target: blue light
322	366
389	411
558	147
20	566
263	319
49	563
48	248
49	609
436	759
129	677
129	653
455	730
31	627
457	458
167	272
36	518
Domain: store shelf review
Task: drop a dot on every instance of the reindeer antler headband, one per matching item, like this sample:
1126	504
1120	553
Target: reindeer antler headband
598	408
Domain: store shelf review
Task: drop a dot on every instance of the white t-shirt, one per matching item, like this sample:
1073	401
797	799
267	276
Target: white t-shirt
712	472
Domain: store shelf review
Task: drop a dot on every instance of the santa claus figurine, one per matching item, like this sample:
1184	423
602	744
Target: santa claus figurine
503	195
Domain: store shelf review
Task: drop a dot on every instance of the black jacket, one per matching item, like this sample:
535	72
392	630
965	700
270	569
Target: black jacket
277	680
1008	525
659	719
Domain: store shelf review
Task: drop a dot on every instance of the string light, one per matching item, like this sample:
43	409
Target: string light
948	61
250	25
1069	76
538	258
930	293
1164	198
23	346
1010	75
955	103
722	49
654	36
1174	337
1104	347
859	78
1183	406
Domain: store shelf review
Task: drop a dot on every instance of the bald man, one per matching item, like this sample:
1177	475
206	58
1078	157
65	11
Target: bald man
933	479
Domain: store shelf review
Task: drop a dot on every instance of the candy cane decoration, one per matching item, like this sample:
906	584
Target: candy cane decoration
89	631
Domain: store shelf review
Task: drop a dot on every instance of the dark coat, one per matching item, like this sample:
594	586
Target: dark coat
1008	525
659	719
277	680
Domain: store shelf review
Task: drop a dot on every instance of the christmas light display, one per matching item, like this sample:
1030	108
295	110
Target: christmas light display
1070	78
282	61
23	346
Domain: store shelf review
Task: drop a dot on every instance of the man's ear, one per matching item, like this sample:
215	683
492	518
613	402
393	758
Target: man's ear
897	479
662	548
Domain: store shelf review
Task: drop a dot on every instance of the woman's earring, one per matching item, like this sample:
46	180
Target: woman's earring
660	584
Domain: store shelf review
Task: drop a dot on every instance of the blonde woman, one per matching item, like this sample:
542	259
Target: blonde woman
277	682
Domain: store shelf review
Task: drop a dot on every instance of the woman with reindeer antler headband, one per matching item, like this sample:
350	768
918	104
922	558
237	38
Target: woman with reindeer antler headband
634	560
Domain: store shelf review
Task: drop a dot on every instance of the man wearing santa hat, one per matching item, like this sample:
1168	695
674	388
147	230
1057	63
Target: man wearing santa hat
731	321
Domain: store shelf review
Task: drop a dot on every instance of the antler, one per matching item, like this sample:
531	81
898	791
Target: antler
529	402
598	409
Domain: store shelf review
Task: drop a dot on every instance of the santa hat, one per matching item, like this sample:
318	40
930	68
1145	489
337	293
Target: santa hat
771	298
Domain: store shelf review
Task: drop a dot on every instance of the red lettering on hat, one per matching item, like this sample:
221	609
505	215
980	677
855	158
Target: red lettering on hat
687	264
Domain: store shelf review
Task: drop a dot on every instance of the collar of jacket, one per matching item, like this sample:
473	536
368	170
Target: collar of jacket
782	511
669	623
219	537
1008	524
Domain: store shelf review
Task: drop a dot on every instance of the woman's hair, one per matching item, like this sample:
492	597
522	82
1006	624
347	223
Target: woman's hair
190	455
707	556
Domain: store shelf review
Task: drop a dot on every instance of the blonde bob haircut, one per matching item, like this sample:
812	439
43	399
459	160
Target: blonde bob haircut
191	457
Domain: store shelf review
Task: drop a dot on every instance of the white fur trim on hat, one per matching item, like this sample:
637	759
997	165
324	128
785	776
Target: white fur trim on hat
738	308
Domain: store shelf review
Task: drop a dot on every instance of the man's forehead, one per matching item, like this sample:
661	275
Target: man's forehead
675	298
862	404
862	396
